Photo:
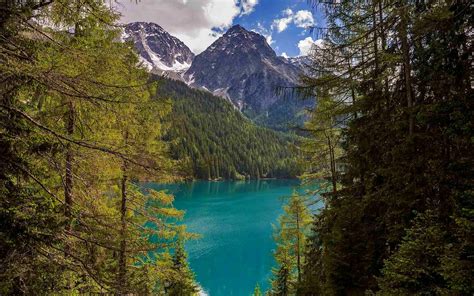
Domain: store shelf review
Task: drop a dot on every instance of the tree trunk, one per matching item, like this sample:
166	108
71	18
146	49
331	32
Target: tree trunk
69	178
332	160
122	264
375	45
407	67
68	181
384	42
353	96
298	255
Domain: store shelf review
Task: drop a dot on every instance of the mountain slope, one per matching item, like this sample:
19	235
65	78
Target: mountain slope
221	143
241	66
158	50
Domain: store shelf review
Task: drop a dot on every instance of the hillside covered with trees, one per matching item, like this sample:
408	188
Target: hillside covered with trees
387	163
219	142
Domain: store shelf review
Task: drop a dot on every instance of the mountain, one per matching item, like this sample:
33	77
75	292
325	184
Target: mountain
302	62
241	66
158	50
219	142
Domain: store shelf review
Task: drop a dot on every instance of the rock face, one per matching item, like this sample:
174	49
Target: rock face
241	66
158	50
302	62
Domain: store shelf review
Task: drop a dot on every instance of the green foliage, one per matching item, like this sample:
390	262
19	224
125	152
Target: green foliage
322	146
423	263
281	285
79	127
220	142
400	221
182	282
290	236
257	291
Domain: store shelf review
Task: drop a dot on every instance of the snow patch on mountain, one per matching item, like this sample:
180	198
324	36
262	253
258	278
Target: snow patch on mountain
157	49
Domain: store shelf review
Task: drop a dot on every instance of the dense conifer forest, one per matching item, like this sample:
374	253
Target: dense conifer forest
392	135
218	142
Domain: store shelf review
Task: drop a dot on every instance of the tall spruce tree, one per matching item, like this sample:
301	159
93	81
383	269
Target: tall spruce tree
406	68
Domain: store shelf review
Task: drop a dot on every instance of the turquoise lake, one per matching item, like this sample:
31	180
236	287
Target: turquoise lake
235	221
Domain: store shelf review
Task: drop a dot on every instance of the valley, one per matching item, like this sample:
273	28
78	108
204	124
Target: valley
218	142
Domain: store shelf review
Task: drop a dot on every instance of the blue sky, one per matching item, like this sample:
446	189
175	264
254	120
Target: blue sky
198	23
268	13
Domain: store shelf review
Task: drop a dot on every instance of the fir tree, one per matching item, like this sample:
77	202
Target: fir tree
401	74
183	283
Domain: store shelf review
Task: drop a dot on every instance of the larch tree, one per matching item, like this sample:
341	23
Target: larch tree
290	236
81	127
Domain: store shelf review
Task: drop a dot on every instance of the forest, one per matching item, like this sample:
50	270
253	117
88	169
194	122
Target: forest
218	142
79	127
389	142
392	136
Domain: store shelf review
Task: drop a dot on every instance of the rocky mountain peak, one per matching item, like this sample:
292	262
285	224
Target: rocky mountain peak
236	28
241	66
239	40
158	50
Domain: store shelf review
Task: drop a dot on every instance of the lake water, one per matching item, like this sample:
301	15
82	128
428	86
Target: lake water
235	221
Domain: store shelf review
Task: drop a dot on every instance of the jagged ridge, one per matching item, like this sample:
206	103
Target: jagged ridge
157	48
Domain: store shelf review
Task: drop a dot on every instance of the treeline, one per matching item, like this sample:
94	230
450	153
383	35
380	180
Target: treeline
391	138
78	128
220	143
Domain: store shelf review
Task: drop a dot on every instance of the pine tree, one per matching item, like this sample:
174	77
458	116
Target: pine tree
281	285
395	68
183	282
415	269
257	291
322	149
290	237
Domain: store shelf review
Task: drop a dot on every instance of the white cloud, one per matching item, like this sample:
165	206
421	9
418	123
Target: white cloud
302	19
288	12
192	21
282	24
269	39
200	41
285	55
248	6
306	45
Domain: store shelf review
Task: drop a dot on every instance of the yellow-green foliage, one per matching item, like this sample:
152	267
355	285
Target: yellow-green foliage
90	79
290	237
